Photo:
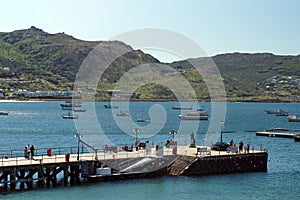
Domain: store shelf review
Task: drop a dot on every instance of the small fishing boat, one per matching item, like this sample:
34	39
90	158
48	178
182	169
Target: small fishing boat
3	113
279	111
182	107
70	105
297	138
123	114
293	118
109	106
283	114
79	110
193	117
143	120
69	116
197	115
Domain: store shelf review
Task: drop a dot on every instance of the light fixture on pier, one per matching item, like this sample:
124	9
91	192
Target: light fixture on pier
79	136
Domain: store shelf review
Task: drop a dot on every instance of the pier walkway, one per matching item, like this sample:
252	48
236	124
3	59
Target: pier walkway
18	172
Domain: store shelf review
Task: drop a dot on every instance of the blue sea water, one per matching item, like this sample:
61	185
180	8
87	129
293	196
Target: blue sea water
40	123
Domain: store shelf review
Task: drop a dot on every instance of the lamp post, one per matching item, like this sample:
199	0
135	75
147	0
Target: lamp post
221	124
78	135
136	130
173	132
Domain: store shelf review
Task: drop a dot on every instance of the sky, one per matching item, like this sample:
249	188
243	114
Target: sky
217	26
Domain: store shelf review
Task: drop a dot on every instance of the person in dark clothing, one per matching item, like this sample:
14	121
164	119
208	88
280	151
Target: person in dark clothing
241	145
32	151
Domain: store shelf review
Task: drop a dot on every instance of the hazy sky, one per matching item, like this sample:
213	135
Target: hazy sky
222	26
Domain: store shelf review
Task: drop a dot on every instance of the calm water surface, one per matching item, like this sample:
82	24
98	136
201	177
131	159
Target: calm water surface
40	123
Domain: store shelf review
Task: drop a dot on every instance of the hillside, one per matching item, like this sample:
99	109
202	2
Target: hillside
260	75
32	60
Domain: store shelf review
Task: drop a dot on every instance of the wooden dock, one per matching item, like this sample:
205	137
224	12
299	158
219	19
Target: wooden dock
276	134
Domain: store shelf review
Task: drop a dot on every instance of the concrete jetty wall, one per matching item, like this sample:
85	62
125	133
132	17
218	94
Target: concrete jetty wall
227	164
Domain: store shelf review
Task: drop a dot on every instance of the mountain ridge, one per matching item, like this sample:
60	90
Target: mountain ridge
50	62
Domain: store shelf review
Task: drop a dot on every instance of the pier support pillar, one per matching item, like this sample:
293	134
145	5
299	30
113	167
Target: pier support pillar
12	179
22	177
66	175
40	181
48	176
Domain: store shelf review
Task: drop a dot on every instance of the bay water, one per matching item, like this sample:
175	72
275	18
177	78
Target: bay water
41	124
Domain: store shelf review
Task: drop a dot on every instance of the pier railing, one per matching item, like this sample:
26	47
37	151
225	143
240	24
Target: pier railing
43	151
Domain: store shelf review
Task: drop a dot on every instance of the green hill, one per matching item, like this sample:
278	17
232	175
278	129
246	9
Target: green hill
32	59
259	76
35	60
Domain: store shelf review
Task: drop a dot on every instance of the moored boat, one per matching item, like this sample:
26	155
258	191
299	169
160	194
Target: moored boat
143	120
182	107
293	118
123	114
197	115
4	113
69	116
109	106
297	138
70	105
282	114
79	110
193	117
279	111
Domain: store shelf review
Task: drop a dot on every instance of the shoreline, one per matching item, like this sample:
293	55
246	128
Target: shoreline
143	100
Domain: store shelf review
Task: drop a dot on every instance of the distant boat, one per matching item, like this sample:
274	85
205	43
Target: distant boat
282	114
69	116
66	107
279	111
123	114
198	115
143	120
297	138
186	117
293	118
109	106
79	110
182	107
70	105
3	113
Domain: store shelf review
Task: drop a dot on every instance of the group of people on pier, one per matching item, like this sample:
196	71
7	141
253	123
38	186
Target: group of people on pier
29	152
232	145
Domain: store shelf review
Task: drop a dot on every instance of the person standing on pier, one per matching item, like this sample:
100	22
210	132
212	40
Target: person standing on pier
247	148
32	152
241	145
26	152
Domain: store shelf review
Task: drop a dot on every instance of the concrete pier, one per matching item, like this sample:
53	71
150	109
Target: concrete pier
225	164
20	173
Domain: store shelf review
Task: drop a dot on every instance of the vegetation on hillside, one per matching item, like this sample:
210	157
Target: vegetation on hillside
32	59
